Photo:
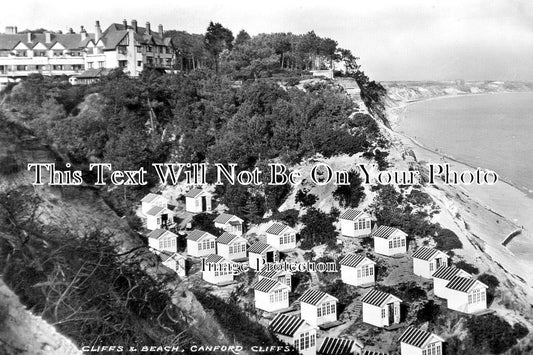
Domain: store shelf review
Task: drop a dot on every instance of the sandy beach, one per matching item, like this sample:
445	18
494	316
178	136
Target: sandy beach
489	212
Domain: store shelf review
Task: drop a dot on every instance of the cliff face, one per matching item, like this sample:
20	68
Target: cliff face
407	91
78	210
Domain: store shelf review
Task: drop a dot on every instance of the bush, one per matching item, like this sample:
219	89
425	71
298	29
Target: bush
471	269
492	334
319	229
205	222
349	196
492	282
428	312
304	198
447	240
290	216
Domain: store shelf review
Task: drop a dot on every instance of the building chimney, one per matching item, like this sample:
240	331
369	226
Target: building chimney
125	23
70	30
48	37
83	33
11	30
97	31
29	36
160	30
148	28
134	25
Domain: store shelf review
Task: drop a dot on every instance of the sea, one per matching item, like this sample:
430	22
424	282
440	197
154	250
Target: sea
490	131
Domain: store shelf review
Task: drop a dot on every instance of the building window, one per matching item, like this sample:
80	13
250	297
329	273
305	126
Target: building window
90	65
122	63
476	296
101	64
396	242
21	67
383	313
149	49
139	64
432	349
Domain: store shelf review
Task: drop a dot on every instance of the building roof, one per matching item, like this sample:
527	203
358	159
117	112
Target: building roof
213	259
154	211
224	218
352	260
265	272
416	337
157	233
195	192
258	247
266	285
385	232
372	352
166	256
285	325
93	73
197	234
377	298
226	238
313	297
336	346
70	41
446	272
151	197
276	228
463	284
351	214
425	253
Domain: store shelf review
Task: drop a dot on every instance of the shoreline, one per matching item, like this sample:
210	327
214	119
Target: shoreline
489	213
399	116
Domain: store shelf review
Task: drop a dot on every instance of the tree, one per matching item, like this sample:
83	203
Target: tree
217	39
242	38
352	194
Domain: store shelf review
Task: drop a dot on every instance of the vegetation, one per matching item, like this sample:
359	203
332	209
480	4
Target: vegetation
349	196
318	229
306	199
447	240
471	269
492	334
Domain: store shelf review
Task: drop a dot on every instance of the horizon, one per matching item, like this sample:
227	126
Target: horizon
412	41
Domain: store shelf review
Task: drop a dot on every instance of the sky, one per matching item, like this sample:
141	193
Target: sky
396	40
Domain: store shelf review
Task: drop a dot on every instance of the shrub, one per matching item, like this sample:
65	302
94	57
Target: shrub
319	229
471	269
205	222
428	312
290	216
492	282
492	334
447	240
352	194
304	198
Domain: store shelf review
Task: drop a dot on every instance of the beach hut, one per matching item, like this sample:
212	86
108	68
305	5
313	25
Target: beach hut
427	260
281	237
200	243
340	346
229	223
355	223
318	307
414	341
380	309
198	200
261	253
294	331
163	240
175	262
466	295
389	241
283	276
152	200
217	270
231	246
357	270
270	295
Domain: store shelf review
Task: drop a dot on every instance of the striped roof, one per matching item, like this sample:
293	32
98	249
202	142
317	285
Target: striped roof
285	325
156	233
416	337
352	260
258	247
266	285
150	197
462	284
213	259
385	232
224	218
226	238
194	192
276	228
265	272
197	234
154	211
351	214
313	297
425	253
377	298
166	256
446	272
372	352
336	346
